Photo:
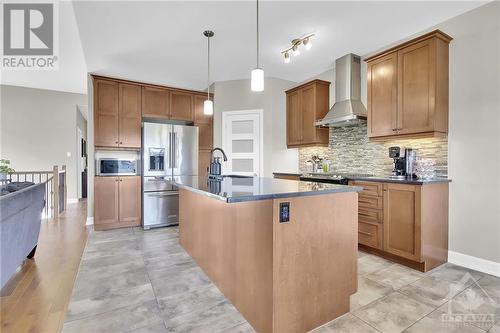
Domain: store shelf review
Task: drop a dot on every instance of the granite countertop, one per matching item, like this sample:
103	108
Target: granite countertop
240	189
388	179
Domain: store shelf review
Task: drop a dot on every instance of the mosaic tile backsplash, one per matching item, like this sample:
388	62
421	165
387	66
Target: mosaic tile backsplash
350	151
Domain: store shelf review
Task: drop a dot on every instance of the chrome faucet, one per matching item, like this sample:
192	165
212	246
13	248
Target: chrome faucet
222	151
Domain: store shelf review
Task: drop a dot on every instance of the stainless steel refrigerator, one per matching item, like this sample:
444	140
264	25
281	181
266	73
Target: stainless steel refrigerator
168	150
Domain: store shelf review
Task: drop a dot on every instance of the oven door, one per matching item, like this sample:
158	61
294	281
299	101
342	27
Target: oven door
160	209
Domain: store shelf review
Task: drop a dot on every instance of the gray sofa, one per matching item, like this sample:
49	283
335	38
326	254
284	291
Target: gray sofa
20	220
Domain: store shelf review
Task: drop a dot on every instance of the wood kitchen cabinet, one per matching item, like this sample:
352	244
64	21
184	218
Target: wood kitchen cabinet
117	202
155	102
129	120
305	105
117	114
408	88
205	134
181	106
402	220
405	223
106	113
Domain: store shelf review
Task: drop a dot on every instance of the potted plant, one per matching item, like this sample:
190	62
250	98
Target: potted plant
5	169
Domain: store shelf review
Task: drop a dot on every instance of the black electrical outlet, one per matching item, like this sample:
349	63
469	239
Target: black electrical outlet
284	212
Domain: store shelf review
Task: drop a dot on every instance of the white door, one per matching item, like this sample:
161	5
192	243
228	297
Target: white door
242	142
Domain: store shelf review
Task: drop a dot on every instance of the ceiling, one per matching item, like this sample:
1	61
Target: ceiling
162	42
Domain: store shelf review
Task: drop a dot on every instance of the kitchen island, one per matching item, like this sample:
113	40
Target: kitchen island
283	252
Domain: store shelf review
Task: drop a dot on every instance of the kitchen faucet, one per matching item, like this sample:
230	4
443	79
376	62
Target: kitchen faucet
219	149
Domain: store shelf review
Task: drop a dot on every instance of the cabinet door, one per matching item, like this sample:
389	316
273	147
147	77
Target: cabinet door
199	116
129	115
308	114
416	86
382	96
205	136
293	118
105	200
129	211
155	102
402	220
106	113
181	106
203	162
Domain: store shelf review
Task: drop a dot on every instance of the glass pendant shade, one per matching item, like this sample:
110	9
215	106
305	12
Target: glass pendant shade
257	83
208	107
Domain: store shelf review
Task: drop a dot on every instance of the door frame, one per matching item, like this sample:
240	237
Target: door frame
260	113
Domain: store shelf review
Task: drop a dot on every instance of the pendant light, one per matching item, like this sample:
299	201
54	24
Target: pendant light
208	105
257	82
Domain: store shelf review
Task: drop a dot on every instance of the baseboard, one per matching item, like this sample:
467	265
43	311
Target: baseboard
72	200
478	264
90	220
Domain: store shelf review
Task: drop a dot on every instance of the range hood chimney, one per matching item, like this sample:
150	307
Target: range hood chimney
348	109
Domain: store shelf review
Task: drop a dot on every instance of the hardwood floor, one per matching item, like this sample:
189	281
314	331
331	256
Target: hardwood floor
37	296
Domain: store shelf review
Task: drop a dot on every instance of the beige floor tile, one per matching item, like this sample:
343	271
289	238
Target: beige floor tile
368	291
435	322
473	306
434	291
395	276
370	263
345	324
393	313
455	273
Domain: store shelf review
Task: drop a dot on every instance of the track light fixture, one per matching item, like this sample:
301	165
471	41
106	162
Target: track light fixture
294	48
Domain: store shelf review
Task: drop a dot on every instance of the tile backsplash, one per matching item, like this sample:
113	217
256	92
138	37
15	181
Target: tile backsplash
350	151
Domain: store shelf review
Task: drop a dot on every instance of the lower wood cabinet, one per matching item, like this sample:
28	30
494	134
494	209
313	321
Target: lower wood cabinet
204	159
402	220
410	227
117	202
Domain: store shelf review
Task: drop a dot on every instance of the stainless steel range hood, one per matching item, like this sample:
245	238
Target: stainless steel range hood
348	109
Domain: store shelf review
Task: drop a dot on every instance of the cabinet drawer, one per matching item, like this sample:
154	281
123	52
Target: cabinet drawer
366	201
370	234
370	215
369	188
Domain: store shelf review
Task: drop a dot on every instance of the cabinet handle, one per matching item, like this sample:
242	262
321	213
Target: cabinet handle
116	142
121	142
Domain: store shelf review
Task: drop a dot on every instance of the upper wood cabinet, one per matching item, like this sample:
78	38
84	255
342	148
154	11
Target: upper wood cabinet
106	113
129	110
181	106
155	102
117	114
408	88
305	105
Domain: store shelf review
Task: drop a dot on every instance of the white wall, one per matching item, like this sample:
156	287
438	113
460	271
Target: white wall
474	129
474	132
38	129
236	95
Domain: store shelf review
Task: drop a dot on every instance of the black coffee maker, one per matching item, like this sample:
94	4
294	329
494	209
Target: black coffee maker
399	169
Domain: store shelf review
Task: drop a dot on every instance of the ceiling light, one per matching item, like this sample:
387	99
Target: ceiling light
294	48
307	44
287	57
257	79
208	105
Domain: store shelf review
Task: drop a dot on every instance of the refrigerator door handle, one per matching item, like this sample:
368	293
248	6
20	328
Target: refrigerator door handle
174	150
170	150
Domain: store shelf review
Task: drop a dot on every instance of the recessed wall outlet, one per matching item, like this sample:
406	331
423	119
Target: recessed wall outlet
284	212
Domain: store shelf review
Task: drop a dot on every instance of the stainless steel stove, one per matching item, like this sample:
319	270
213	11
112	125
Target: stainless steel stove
331	178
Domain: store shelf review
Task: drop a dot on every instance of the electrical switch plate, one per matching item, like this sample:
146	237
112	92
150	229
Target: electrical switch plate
284	212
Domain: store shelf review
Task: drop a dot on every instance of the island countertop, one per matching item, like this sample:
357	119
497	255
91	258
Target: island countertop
240	189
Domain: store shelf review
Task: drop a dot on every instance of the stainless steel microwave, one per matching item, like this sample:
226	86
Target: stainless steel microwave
116	167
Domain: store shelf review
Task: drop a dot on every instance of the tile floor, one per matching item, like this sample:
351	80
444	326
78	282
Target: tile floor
135	281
